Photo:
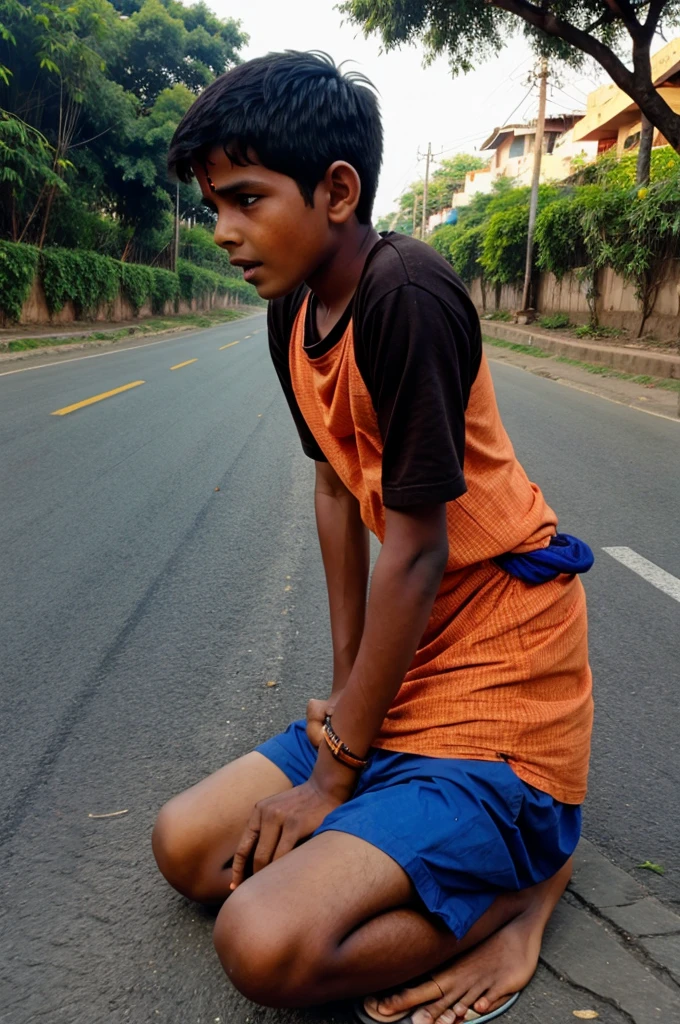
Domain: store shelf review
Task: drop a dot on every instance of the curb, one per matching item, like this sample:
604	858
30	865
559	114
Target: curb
636	361
608	937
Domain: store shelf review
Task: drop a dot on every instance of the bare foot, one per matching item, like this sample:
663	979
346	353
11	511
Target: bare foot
485	977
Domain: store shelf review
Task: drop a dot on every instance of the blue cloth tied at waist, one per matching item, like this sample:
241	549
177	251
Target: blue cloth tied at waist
564	554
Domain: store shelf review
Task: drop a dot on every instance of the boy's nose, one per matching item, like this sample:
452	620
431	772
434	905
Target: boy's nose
225	233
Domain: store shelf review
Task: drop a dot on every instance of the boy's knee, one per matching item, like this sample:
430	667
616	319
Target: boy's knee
266	956
178	854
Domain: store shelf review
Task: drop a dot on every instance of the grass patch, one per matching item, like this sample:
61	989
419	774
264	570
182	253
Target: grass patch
666	383
527	350
152	326
591	331
555	321
499	314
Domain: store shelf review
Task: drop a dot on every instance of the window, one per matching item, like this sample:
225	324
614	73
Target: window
517	146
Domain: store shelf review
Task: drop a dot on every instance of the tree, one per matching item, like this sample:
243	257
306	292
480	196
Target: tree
600	29
90	95
447	179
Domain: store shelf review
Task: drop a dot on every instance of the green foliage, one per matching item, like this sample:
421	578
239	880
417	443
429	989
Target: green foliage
560	235
505	245
470	32
88	103
499	314
554	321
85	278
442	239
90	281
243	292
466	252
196	282
18	265
164	288
136	284
449	177
596	331
198	246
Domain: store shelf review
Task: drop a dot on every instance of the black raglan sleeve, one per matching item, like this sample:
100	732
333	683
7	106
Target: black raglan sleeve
280	319
419	353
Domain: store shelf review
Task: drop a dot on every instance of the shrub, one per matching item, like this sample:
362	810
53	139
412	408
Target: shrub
554	321
18	265
465	252
197	246
560	236
504	249
244	292
164	288
442	239
136	284
87	279
196	282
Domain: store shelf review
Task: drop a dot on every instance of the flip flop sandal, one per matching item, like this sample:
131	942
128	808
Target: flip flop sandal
361	1015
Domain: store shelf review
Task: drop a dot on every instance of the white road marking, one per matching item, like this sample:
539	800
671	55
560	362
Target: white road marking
654	574
116	352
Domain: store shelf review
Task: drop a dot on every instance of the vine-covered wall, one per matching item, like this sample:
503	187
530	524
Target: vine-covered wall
61	285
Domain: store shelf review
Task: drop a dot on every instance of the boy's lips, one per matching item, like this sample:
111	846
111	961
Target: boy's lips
249	267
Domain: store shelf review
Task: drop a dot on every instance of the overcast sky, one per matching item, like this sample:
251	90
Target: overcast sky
418	105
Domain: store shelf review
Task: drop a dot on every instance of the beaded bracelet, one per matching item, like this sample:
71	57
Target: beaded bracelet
339	750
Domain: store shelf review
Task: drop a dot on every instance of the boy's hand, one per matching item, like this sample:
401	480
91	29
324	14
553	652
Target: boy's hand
316	715
278	823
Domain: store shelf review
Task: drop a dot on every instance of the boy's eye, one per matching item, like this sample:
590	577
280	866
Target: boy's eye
246	199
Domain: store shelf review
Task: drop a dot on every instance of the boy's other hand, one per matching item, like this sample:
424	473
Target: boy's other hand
316	716
278	823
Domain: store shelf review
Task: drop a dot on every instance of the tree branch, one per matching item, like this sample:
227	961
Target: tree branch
622	9
654	16
637	83
560	29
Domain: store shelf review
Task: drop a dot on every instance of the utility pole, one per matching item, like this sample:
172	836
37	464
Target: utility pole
428	158
414	233
538	153
176	247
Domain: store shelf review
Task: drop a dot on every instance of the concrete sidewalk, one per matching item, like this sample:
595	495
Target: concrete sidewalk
627	358
614	944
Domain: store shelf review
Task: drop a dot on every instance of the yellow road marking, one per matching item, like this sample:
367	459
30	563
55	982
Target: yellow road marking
247	336
222	347
187	363
96	398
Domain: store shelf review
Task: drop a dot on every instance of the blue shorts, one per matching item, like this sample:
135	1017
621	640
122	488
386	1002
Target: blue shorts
463	831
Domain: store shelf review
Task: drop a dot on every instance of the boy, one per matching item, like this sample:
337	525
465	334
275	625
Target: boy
441	781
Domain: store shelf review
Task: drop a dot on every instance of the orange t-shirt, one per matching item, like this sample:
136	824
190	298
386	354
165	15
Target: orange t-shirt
502	668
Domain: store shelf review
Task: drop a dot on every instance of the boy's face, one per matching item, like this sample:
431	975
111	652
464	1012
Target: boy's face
264	223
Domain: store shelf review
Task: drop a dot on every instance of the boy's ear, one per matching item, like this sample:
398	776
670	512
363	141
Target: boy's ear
343	188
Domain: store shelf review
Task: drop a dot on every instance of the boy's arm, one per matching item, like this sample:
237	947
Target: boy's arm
405	581
345	552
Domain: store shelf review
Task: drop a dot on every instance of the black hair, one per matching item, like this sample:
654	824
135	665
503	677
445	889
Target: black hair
297	112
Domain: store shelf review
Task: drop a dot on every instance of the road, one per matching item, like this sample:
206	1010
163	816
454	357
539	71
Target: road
160	568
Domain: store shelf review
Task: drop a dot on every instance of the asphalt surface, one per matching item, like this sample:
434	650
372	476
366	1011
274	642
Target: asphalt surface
160	568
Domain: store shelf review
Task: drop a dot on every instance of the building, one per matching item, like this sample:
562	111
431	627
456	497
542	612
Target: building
613	119
513	145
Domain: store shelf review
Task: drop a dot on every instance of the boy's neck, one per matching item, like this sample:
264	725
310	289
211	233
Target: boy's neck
335	281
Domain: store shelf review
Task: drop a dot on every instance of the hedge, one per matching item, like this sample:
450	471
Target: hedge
18	266
90	281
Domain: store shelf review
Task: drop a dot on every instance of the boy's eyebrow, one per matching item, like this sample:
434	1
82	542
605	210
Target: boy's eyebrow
239	186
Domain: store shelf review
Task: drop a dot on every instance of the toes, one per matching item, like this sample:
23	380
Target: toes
490	1000
462	1006
408	997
